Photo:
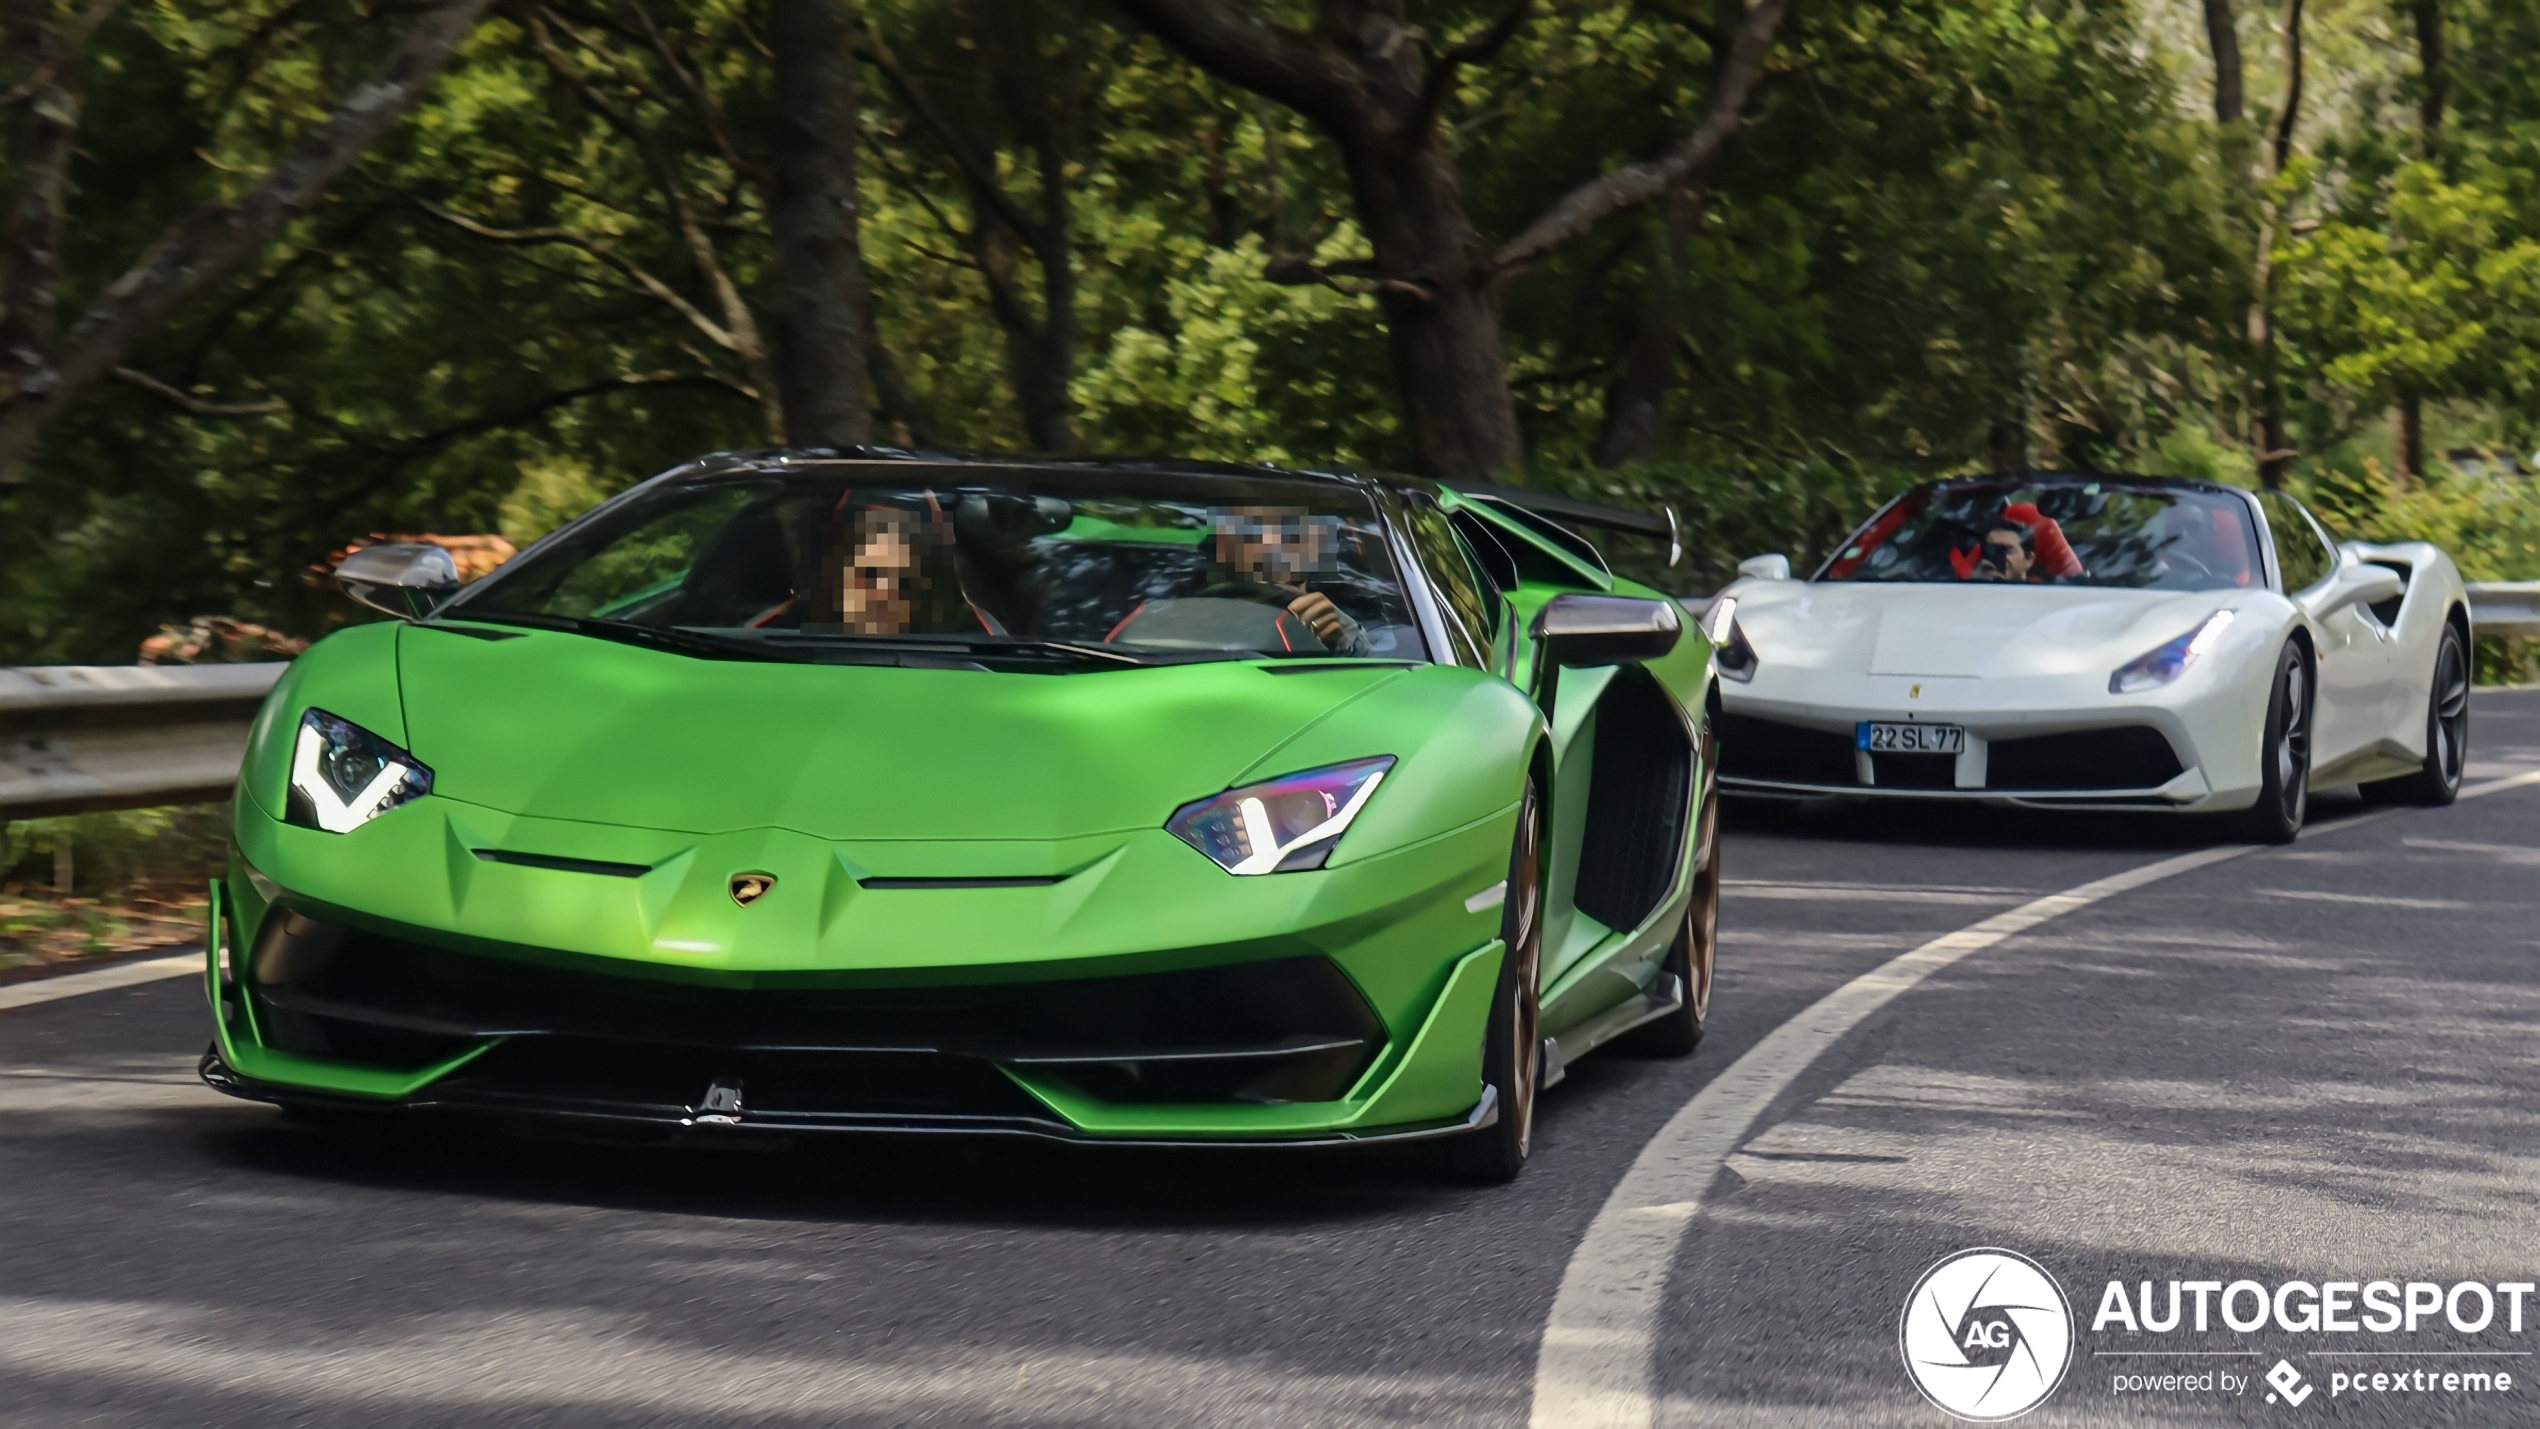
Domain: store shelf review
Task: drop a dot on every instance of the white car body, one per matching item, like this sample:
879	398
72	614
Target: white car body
2012	663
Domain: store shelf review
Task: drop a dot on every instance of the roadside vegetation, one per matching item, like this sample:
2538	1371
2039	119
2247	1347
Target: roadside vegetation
98	886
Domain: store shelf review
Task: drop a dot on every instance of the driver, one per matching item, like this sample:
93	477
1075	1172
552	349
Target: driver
1271	547
2009	554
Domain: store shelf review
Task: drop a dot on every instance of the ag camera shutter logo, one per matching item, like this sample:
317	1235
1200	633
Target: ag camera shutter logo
1986	1335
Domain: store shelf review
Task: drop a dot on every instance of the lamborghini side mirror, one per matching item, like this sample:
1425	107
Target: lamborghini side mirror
1578	630
403	580
1774	567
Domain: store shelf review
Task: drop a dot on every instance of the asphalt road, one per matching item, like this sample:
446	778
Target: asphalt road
2317	1063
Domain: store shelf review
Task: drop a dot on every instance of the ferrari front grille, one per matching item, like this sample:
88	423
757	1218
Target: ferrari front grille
2126	757
1772	752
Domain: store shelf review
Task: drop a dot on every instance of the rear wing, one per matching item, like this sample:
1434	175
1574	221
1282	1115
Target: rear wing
1551	509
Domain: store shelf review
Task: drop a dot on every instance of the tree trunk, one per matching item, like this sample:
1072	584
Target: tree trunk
2275	453
813	215
2428	15
1441	312
39	166
1636	403
2222	33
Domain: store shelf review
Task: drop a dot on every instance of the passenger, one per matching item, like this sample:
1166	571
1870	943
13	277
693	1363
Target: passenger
2055	558
891	574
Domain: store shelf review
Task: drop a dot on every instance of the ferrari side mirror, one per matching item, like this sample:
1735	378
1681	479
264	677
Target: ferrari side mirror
1774	567
404	580
2358	584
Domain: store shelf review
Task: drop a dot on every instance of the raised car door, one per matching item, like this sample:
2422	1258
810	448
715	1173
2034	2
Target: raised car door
2354	653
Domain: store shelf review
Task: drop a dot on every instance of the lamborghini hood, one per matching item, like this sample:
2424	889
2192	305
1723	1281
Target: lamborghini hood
1963	631
565	726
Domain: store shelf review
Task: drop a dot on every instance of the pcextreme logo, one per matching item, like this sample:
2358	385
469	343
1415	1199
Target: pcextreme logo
1986	1335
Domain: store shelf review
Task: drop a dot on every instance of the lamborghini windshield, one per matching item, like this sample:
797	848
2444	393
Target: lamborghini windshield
839	560
2143	534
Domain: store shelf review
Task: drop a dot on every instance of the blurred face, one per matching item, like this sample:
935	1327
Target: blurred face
874	596
1273	544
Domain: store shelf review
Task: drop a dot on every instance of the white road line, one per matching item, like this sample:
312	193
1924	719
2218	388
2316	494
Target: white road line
133	974
1593	1369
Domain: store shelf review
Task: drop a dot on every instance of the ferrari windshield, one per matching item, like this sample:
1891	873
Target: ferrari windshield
809	559
2138	533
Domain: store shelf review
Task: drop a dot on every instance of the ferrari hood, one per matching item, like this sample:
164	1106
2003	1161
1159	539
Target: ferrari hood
1963	631
564	726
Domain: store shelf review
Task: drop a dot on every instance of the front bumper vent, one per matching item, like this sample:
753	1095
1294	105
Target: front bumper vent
1277	1030
2126	757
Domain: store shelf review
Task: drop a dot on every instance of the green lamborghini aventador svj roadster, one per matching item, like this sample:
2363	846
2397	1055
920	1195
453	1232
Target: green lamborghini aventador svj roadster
1104	801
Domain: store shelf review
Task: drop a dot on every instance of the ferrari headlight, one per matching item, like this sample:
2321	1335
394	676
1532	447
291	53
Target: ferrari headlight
1280	825
1734	657
343	776
2155	668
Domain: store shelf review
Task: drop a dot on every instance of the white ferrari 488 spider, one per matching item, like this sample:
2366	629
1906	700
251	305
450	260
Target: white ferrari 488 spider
2094	641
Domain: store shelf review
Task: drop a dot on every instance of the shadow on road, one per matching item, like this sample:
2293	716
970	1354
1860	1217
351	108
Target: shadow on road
1978	826
865	1179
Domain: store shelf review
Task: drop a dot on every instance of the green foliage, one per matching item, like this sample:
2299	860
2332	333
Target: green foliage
2490	527
1948	236
2434	294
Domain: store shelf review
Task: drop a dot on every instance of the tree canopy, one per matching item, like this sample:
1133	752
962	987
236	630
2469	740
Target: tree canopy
1762	262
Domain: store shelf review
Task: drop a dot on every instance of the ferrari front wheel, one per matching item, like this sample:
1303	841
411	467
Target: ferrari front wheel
1512	1054
2284	755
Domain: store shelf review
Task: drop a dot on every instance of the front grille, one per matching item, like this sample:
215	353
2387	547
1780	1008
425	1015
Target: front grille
2126	757
1284	1029
1915	771
1778	753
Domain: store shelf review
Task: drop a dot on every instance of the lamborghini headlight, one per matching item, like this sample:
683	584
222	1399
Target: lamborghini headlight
343	776
1280	825
2155	668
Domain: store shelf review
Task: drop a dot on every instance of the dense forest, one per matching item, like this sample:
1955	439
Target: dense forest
278	274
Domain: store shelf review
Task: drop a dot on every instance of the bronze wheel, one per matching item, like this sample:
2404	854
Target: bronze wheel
1695	955
1512	1055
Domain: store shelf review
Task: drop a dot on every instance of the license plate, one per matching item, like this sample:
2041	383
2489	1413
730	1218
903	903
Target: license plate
1881	737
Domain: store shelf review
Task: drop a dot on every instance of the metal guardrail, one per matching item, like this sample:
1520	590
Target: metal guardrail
2505	607
79	737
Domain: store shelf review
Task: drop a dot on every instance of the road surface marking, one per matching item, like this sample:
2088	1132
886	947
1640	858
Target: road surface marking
1595	1365
133	974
